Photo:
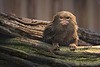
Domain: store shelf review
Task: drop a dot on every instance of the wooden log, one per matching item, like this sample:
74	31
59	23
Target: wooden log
33	58
16	60
40	59
39	45
12	25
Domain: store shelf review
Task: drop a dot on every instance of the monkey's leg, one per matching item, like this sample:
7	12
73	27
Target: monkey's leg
54	47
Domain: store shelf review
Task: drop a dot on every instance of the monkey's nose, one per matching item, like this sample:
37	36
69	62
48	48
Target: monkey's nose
64	22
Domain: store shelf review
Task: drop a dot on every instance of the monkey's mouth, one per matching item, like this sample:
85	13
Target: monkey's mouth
64	22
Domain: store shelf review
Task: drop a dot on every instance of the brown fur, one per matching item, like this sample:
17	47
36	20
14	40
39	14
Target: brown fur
61	32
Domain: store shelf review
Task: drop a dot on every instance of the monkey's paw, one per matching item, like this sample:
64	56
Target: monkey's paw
72	47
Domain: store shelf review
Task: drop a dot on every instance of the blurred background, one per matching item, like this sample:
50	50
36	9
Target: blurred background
86	11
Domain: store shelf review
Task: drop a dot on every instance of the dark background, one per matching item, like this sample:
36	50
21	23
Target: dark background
86	11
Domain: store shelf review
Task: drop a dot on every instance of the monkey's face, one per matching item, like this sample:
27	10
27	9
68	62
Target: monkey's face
64	18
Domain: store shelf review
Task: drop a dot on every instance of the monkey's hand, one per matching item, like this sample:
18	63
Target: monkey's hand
72	47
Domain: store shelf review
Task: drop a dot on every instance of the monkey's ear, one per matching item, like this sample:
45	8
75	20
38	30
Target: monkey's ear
74	19
55	19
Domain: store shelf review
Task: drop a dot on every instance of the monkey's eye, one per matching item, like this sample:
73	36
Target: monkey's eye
61	17
67	17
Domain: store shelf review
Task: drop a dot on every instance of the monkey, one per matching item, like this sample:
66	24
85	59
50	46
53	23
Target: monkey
62	30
